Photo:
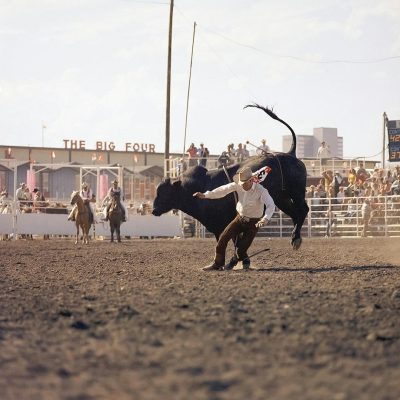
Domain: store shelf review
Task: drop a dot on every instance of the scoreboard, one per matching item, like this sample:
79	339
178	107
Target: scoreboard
393	128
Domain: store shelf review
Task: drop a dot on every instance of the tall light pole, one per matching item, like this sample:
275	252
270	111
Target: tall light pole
385	118
168	108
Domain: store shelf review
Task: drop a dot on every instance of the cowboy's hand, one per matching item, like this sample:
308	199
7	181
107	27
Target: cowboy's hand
199	195
261	223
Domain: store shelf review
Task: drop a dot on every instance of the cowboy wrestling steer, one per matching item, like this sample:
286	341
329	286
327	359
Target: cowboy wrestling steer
286	183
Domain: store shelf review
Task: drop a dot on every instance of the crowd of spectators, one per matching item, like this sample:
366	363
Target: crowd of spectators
360	192
27	201
200	155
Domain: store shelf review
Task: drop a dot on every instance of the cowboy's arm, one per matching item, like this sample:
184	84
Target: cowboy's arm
217	193
269	207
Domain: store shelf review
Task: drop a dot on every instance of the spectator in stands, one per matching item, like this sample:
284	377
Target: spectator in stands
341	195
365	216
336	182
206	154
182	166
246	152
396	174
39	200
395	187
375	174
330	222
362	174
389	176
4	201
323	153
368	191
351	211
231	153
319	201
387	187
263	149
202	155
328	178
352	177
310	192
20	192
320	191
331	195
240	153
375	187
192	154
361	189
28	197
223	160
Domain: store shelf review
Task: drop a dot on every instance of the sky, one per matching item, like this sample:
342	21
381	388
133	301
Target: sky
96	70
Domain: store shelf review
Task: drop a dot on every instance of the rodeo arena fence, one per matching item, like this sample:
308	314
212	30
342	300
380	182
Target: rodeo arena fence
328	218
342	217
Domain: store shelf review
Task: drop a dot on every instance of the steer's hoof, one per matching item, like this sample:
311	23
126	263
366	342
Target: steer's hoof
296	243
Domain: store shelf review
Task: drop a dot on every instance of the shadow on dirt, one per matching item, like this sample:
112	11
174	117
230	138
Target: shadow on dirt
325	269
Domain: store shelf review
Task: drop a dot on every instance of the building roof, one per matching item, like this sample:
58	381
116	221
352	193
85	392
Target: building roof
147	170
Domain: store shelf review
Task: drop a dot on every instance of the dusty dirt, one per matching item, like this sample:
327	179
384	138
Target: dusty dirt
140	320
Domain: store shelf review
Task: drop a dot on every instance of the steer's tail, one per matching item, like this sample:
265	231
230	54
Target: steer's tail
292	150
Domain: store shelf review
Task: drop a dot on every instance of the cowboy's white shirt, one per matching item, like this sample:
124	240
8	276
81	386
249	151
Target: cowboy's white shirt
251	202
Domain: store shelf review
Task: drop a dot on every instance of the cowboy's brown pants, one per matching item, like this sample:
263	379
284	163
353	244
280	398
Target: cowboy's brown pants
244	231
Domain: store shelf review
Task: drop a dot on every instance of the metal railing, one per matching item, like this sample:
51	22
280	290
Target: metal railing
344	219
315	166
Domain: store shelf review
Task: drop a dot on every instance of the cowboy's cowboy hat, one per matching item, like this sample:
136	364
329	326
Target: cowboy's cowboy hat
243	176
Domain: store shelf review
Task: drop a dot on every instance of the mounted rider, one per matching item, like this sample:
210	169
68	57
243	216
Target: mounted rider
115	192
88	199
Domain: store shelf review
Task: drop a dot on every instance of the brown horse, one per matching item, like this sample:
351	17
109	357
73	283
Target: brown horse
82	217
115	217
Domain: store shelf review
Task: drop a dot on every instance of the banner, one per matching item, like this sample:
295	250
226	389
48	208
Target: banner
393	128
30	179
103	186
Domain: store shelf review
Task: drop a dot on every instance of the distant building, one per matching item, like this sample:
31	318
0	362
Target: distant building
307	145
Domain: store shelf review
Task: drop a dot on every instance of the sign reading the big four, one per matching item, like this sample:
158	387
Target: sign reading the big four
109	146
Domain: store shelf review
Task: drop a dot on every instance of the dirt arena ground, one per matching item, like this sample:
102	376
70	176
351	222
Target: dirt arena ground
140	320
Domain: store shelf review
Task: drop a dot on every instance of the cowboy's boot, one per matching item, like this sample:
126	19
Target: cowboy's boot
233	261
213	267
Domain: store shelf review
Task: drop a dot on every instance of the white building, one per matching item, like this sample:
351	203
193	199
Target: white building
307	145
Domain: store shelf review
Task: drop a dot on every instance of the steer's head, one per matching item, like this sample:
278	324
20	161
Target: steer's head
168	195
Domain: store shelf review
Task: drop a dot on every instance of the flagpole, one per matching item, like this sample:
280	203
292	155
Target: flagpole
188	91
43	128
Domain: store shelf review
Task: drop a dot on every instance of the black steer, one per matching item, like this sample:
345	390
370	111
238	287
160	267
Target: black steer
286	183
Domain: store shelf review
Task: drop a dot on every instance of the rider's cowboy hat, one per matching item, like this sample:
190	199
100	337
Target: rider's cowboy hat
84	184
243	176
115	181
